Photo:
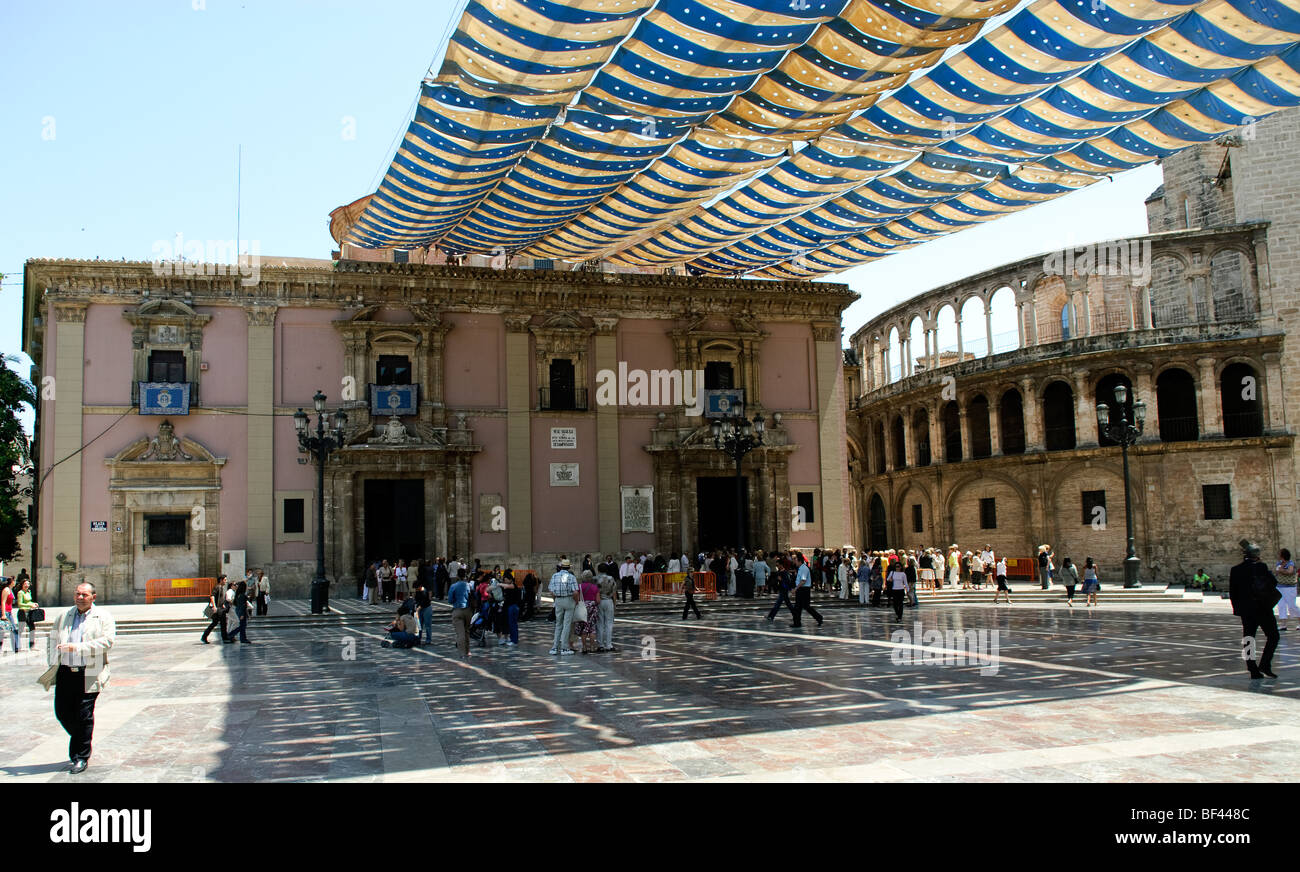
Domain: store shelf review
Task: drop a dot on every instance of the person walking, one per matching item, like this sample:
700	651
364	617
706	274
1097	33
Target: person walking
688	588
864	579
78	656
803	593
27	608
263	593
566	593
1091	582
1070	578
897	580
239	605
424	608
8	616
608	589
1253	592
217	602
784	583
590	601
625	573
1286	585
458	599
1000	573
511	606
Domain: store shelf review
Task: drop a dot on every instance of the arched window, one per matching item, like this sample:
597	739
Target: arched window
977	419
1106	394
1243	413
1011	422
1176	399
1058	416
900	446
1065	321
895	356
921	433
951	433
1002	306
878	527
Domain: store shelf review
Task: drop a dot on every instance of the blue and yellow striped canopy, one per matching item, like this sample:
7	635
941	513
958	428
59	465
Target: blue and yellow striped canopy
796	138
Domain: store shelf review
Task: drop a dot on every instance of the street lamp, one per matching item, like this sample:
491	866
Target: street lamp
1126	433
319	446
737	436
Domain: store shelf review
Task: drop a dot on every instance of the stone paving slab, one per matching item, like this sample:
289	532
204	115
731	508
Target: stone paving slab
1139	694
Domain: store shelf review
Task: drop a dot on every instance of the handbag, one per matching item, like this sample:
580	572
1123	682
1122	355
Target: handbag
35	616
580	611
209	612
48	677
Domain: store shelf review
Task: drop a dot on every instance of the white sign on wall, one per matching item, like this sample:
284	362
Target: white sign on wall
564	437
638	509
564	475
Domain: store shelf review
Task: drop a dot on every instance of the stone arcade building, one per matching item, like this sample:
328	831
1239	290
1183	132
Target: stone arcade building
475	430
954	445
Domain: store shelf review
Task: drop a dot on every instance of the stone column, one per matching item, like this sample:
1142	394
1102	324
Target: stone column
1273	400
1085	413
936	433
964	429
609	507
995	424
960	350
832	433
519	484
909	440
1143	306
69	343
1033	321
1211	403
1020	325
1033	410
259	539
988	328
887	430
1144	390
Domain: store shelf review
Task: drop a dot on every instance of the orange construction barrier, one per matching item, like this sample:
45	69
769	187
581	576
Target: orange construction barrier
174	590
1022	568
665	583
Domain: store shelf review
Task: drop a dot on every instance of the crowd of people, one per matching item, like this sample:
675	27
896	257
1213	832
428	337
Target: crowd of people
231	603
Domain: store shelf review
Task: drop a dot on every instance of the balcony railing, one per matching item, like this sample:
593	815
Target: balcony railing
1243	424
1179	429
565	400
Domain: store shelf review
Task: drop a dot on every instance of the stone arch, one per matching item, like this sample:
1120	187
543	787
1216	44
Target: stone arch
1058	416
1242	401
978	422
946	334
1176	404
877	522
1011	503
1168	291
913	493
1100	535
922	437
1002	314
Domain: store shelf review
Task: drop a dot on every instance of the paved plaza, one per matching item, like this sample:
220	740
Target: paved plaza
1138	692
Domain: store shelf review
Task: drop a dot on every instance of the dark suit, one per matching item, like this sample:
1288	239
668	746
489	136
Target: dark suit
1252	588
441	581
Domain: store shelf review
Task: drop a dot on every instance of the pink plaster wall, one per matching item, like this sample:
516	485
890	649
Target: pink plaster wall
634	463
805	463
95	502
109	357
488	476
474	372
788	379
645	344
47	458
225	349
565	518
289	474
309	357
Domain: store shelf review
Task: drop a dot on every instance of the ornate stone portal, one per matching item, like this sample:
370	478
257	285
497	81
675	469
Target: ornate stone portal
165	475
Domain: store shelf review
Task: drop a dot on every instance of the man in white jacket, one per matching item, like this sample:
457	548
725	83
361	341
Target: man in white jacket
78	649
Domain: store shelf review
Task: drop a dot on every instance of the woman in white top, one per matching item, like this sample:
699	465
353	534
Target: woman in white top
842	572
732	566
674	565
897	583
1000	571
399	573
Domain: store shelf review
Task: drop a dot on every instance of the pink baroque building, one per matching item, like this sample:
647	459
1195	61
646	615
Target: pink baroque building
537	413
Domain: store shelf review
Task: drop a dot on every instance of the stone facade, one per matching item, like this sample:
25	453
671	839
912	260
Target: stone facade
1006	450
484	349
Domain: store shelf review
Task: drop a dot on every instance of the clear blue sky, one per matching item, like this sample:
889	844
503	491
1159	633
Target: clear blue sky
122	121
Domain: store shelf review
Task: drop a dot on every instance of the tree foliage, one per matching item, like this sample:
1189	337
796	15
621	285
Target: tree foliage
14	392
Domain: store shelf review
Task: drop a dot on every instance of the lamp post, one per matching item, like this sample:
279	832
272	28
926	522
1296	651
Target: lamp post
737	436
320	446
1126	433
